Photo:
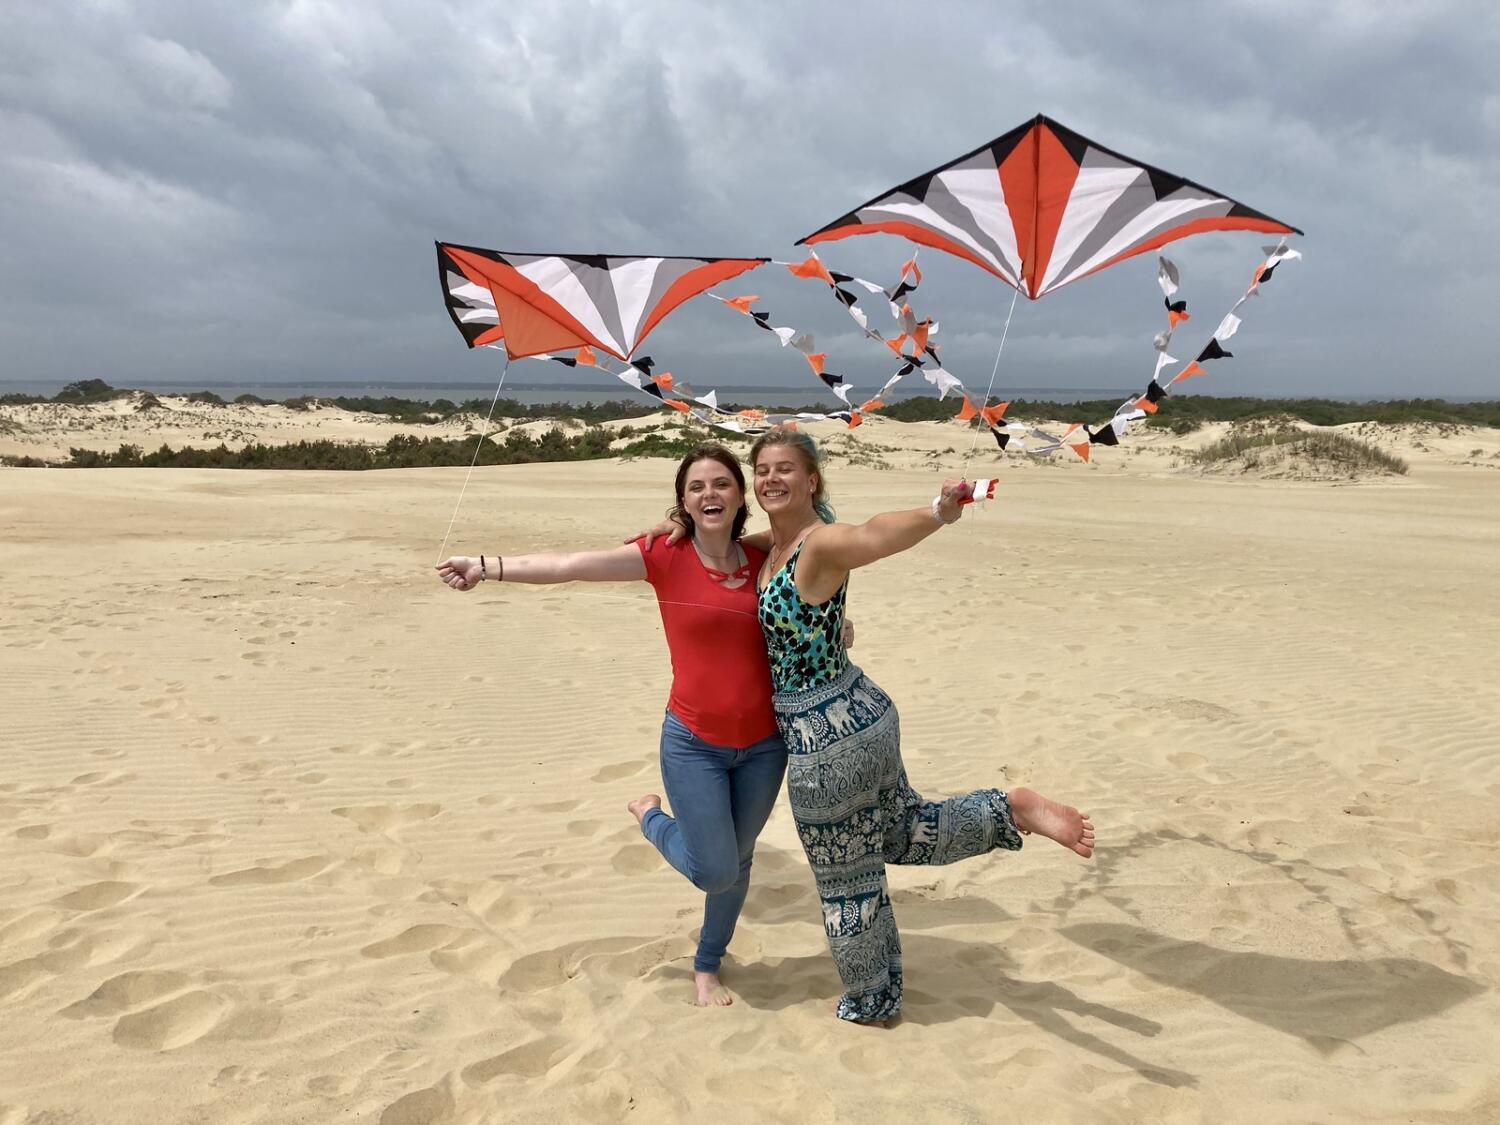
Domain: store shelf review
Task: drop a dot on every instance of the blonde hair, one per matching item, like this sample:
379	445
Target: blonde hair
812	461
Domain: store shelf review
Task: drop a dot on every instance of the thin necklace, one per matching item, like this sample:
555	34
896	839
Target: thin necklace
770	566
733	556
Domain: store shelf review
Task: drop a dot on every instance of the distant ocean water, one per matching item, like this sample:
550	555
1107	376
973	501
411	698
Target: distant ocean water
533	393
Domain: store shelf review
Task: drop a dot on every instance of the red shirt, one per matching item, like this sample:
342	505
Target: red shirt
721	682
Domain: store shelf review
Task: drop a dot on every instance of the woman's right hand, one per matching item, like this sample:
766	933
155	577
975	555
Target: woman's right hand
459	572
668	527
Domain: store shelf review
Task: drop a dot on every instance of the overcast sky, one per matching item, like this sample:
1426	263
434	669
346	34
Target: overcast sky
250	191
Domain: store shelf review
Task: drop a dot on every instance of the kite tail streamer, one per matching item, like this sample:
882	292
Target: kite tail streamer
484	434
1014	293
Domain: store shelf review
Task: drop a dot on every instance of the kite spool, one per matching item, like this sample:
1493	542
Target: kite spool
979	490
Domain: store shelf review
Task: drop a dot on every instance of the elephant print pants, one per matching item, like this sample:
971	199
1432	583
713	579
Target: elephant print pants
856	812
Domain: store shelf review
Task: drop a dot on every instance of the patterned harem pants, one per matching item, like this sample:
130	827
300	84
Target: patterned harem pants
856	812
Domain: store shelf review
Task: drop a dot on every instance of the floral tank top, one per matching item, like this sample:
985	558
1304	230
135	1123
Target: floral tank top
804	642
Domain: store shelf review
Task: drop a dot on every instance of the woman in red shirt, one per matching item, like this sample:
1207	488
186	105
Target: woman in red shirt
722	760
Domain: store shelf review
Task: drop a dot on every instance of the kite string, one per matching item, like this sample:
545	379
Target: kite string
485	433
1014	293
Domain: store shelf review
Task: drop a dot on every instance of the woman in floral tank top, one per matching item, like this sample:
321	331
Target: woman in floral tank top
854	808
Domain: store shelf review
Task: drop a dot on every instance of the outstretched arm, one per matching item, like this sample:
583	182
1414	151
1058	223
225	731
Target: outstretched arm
833	551
622	564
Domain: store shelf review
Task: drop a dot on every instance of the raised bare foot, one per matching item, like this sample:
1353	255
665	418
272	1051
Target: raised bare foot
1034	813
641	805
711	991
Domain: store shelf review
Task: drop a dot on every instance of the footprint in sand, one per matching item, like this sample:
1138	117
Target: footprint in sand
175	1023
387	818
431	1106
126	991
98	896
162	1011
535	972
619	771
415	939
238	1076
19	977
1187	760
530	1060
290	872
331	1085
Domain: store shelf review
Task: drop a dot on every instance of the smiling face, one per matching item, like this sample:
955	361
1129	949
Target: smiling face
711	495
784	482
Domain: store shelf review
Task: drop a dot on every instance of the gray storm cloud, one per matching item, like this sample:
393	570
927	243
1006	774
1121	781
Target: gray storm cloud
252	191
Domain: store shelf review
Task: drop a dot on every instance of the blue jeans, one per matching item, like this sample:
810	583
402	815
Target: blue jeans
722	798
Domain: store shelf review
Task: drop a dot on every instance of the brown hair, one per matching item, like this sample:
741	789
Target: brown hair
710	451
812	461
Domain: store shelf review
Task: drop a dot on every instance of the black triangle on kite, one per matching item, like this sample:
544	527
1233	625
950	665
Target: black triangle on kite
1154	392
1104	435
1002	439
1214	350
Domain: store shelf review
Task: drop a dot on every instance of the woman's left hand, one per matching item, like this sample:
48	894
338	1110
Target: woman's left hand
949	509
459	572
847	634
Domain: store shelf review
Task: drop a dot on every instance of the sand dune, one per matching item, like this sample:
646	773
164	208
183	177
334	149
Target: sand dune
293	833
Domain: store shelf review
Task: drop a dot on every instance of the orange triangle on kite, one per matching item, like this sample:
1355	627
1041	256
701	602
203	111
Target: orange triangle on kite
1144	403
966	411
870	405
812	267
854	419
751	413
742	303
1194	368
993	414
895	345
1176	318
919	337
816	360
677	404
910	267
1081	448
664	380
585	357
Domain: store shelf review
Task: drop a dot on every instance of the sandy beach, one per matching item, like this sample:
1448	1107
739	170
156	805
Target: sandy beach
293	833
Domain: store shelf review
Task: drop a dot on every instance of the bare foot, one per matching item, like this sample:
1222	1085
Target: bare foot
1034	813
711	991
834	1008
641	805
